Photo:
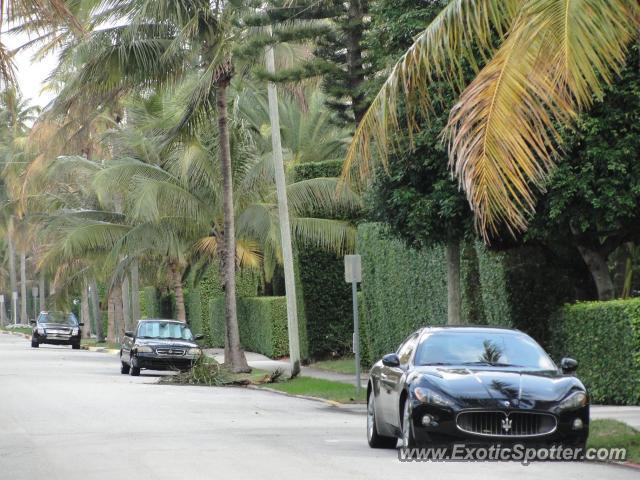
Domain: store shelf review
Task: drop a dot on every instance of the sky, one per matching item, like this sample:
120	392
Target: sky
30	77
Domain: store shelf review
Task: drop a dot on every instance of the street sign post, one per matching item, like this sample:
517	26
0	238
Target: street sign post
353	275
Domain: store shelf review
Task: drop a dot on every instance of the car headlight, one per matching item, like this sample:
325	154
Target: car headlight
144	349
573	402
41	331
426	395
75	331
194	351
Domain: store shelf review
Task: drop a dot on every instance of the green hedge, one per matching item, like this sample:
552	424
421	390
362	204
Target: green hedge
149	303
604	337
326	296
263	325
404	288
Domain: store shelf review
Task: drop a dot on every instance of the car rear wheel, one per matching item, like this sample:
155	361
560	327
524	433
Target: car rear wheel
34	343
134	371
375	440
408	439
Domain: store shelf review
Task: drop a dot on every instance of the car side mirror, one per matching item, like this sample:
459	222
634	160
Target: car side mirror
128	334
568	365
198	337
32	322
391	360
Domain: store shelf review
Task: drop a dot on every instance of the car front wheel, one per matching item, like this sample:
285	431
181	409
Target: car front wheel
375	440
408	439
34	343
76	345
124	368
134	370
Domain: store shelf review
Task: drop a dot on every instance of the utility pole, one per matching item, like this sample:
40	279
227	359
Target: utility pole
283	214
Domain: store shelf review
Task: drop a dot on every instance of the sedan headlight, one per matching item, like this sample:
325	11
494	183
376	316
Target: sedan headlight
41	331
426	395
75	331
144	349
573	402
194	351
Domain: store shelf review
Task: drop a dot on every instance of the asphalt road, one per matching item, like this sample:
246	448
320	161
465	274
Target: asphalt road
70	415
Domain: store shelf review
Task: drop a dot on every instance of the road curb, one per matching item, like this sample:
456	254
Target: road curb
331	403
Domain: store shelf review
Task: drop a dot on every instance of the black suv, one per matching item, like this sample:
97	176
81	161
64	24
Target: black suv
56	328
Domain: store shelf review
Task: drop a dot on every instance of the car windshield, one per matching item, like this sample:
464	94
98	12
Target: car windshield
58	317
168	330
482	348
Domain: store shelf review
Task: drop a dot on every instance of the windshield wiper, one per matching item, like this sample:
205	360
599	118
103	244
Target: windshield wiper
435	364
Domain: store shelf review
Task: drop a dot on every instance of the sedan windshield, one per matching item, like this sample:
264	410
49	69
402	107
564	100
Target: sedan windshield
482	348
166	330
58	317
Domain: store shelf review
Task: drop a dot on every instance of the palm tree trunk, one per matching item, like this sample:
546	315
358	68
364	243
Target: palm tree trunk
453	283
111	322
233	355
118	317
126	304
43	293
95	306
135	293
176	278
12	265
23	288
84	311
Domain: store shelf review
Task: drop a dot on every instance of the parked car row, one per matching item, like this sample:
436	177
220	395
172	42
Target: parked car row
154	344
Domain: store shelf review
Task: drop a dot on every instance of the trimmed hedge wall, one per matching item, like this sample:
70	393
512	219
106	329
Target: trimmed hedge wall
263	325
149	304
325	295
404	288
604	337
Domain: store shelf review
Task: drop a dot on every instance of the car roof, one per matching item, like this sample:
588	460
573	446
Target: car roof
163	320
469	328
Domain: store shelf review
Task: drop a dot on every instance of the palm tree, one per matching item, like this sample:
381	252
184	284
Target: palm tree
546	60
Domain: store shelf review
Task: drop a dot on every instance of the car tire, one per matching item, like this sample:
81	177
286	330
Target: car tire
75	345
374	439
134	371
34	343
408	439
124	368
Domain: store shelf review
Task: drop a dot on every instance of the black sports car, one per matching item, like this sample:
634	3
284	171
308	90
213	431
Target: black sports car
159	345
449	385
56	328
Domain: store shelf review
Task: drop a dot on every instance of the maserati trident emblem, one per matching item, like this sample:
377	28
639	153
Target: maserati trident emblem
506	424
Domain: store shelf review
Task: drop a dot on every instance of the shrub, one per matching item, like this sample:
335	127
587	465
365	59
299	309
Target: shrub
404	288
604	337
149	304
325	295
263	325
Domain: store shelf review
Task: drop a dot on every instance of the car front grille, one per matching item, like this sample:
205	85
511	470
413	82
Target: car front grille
506	424
58	331
174	352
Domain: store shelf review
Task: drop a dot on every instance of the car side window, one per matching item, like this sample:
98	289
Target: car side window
406	349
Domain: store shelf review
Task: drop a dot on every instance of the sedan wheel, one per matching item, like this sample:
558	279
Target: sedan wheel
34	343
375	440
408	440
134	370
124	368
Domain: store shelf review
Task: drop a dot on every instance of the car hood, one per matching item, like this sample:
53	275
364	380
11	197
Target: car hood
157	342
484	387
56	325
